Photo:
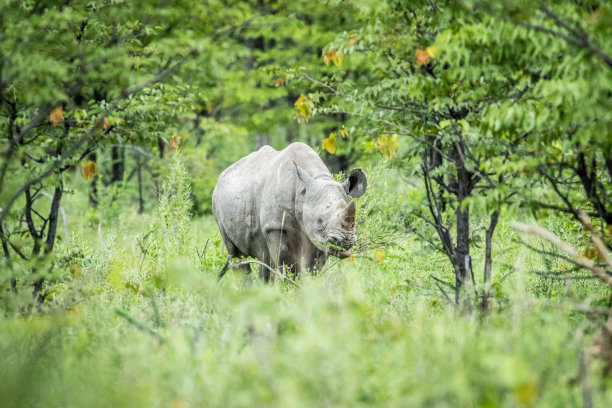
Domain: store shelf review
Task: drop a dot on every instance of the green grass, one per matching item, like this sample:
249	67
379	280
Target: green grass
155	328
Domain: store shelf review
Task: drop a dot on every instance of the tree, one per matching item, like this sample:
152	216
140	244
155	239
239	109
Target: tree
78	76
490	101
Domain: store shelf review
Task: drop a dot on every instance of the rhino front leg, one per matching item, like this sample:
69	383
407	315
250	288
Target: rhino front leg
283	251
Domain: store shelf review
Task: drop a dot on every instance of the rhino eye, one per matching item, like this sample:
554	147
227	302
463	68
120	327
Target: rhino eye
320	223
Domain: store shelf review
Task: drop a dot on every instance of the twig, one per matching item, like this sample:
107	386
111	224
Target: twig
442	282
599	244
274	271
445	295
549	236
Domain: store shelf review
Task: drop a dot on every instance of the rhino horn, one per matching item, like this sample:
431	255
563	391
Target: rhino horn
349	213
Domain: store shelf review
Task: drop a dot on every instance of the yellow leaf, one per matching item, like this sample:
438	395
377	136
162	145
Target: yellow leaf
388	144
75	270
335	56
338	59
432	51
89	170
343	133
350	258
526	393
57	115
329	144
380	255
303	107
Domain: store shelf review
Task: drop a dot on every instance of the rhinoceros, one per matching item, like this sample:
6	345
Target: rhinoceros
284	208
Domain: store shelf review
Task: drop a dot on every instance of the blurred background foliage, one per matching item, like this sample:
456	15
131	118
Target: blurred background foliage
117	117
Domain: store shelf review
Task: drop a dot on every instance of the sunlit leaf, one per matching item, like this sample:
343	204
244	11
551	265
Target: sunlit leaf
334	56
303	106
432	51
388	144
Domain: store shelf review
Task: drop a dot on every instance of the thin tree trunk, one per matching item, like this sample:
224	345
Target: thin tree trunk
160	147
93	186
139	175
118	163
488	259
51	234
462	261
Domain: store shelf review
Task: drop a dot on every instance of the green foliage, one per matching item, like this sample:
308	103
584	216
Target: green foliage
362	333
164	96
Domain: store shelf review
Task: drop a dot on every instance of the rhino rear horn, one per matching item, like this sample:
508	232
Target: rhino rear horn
355	183
349	213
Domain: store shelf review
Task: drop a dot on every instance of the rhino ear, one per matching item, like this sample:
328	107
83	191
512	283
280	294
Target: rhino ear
355	183
303	176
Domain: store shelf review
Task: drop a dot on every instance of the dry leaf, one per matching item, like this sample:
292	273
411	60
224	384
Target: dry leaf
103	124
57	115
352	42
175	141
89	170
422	57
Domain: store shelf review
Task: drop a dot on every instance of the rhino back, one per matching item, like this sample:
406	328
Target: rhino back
236	199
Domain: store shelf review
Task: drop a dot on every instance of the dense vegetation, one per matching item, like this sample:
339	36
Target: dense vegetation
482	274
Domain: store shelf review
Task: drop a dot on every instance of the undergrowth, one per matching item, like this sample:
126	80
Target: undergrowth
136	317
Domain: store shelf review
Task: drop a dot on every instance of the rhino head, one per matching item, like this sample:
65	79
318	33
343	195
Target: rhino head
326	212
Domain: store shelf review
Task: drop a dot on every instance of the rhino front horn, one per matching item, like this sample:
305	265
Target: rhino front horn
349	213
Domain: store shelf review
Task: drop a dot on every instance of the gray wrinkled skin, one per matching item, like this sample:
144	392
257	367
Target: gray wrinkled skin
285	208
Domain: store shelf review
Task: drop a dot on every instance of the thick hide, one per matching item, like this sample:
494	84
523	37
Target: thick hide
285	208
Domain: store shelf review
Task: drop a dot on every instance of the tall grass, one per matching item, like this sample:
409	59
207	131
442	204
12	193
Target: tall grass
147	324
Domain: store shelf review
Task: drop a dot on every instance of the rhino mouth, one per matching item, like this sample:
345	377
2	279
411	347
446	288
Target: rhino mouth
340	249
342	254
